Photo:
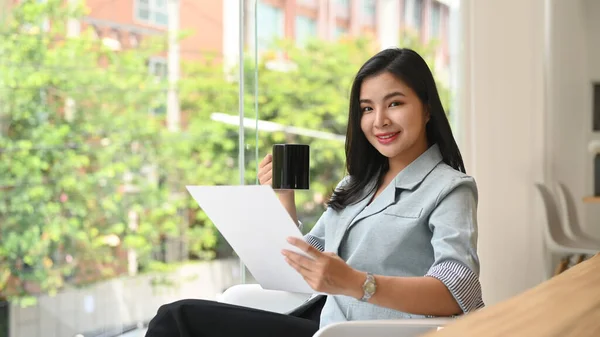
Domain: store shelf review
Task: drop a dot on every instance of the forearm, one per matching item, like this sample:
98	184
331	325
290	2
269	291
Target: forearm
288	201
415	295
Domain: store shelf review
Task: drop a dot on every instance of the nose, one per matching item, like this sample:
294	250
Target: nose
381	119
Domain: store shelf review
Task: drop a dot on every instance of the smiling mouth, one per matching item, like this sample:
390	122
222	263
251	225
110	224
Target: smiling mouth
388	136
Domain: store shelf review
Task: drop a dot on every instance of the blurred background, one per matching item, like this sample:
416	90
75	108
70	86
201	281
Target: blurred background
109	108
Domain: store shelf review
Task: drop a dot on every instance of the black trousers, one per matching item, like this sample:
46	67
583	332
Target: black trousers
199	318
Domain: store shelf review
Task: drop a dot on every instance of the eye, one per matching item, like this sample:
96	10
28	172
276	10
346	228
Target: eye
393	104
366	109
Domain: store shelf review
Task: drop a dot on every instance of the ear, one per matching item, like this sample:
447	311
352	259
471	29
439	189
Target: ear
426	111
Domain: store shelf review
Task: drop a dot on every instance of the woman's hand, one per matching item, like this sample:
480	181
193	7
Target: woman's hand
325	272
265	170
286	197
265	175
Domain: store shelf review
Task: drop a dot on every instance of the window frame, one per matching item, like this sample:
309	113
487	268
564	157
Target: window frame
153	8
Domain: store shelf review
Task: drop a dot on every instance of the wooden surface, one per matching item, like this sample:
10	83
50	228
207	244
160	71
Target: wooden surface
566	305
591	200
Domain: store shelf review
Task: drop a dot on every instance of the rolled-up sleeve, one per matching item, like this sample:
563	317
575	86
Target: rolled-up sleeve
453	223
316	237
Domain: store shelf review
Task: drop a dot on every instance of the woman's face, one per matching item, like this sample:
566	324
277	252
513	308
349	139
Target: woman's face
393	118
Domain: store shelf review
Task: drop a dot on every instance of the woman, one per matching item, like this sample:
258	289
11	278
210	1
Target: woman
399	236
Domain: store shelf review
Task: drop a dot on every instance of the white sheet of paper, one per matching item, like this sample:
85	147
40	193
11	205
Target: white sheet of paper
256	225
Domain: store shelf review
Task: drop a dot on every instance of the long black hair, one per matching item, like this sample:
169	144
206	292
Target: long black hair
363	162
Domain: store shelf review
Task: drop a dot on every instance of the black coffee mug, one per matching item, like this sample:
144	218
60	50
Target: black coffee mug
291	166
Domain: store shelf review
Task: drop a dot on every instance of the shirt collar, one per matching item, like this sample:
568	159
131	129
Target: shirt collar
415	172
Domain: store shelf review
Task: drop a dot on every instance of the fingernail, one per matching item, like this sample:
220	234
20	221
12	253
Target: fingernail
283	252
290	240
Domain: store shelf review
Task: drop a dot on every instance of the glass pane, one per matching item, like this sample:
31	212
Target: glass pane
161	18
143	14
417	13
306	28
270	26
435	20
97	230
96	227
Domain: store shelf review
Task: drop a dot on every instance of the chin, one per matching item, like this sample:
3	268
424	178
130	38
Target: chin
388	153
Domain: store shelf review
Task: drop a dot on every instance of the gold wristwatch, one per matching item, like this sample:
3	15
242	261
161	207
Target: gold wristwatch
369	287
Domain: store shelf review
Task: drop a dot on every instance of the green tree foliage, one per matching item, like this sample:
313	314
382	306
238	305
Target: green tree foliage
67	176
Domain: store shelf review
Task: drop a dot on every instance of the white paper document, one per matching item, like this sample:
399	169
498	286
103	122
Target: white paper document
256	225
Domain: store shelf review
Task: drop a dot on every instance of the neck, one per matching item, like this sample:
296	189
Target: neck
402	160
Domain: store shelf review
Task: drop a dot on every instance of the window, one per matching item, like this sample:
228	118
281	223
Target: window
435	20
340	32
152	12
305	29
369	6
157	66
308	3
270	26
369	12
342	8
417	13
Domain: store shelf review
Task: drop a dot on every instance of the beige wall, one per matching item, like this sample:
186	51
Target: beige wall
573	55
503	129
591	10
567	97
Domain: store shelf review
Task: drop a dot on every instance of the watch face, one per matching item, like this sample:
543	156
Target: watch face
370	287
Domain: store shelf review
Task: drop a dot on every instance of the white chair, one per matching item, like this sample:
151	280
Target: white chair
253	296
557	241
396	328
573	227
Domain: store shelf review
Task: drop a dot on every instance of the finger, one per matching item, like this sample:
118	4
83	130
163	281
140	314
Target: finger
297	267
299	260
305	247
265	173
265	179
267	159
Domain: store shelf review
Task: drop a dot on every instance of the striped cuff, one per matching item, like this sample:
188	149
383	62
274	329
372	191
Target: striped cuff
462	283
315	242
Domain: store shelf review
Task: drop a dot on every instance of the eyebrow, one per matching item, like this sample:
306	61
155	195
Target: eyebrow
386	97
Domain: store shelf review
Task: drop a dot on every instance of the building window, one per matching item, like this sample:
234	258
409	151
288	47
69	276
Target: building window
308	3
270	27
340	32
306	28
157	66
417	13
369	12
434	28
342	8
153	12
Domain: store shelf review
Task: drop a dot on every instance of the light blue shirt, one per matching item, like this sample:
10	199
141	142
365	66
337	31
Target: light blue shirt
424	223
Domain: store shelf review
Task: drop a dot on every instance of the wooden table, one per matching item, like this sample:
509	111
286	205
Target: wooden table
566	305
591	200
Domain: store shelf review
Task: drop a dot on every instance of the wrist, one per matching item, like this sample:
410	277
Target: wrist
285	193
355	287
